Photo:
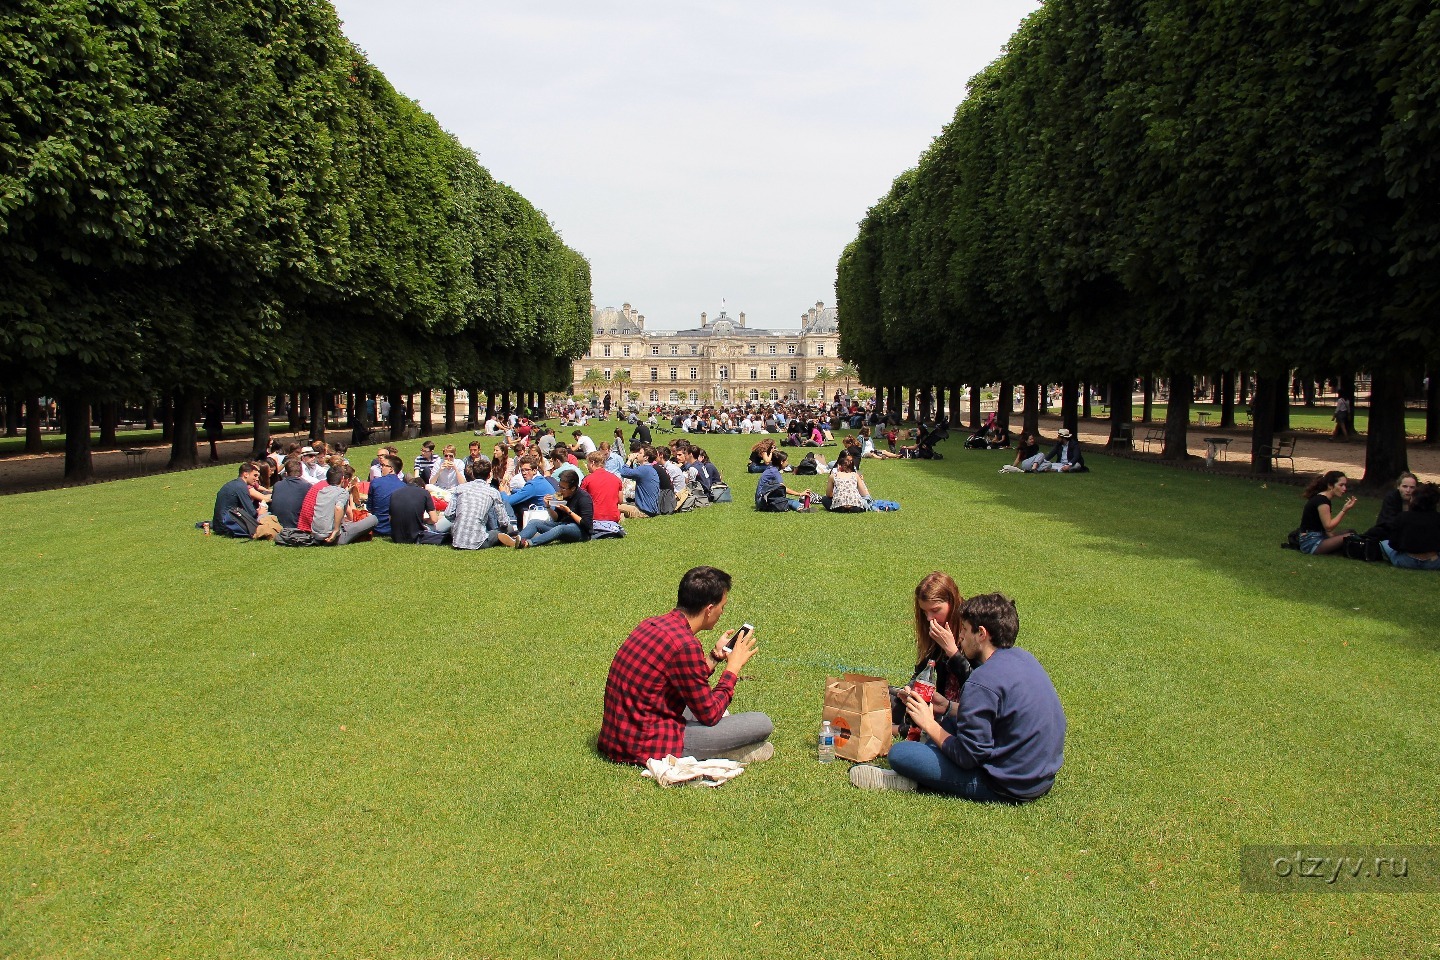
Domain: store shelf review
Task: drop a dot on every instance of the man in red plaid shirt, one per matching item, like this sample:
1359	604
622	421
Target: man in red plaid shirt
658	698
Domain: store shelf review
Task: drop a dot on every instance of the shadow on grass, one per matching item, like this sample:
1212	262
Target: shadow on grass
1121	505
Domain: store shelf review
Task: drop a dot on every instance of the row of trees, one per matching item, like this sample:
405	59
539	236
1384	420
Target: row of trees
227	198
1140	187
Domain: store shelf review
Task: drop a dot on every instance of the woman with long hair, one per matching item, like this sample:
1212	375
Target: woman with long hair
760	455
845	490
1396	502
500	467
937	623
1318	521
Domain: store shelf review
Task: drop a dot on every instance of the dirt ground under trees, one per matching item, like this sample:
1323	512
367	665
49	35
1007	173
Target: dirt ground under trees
1314	453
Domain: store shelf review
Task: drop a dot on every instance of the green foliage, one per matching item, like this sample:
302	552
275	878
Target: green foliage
196	194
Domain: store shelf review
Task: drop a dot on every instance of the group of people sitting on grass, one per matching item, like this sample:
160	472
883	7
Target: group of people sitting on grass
992	729
1065	457
534	492
1406	532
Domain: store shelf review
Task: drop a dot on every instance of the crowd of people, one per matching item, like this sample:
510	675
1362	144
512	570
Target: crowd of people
993	730
533	490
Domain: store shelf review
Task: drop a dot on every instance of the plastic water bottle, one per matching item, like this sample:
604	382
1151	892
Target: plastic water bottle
827	743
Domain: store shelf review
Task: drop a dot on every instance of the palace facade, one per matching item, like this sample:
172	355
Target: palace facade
722	361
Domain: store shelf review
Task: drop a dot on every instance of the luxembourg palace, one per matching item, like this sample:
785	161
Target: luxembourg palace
721	361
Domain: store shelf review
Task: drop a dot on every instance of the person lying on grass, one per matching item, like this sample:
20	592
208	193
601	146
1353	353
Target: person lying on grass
1003	741
658	698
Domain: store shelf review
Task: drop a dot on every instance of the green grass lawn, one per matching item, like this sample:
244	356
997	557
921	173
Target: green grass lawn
1301	417
223	749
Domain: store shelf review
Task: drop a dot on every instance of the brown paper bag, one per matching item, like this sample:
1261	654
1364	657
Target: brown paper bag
858	708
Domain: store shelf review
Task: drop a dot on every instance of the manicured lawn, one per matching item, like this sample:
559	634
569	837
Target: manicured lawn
222	749
1301	417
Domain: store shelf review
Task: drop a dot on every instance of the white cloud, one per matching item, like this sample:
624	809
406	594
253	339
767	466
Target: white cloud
693	150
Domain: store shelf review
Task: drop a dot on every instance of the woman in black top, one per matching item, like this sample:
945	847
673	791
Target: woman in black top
1318	524
1396	502
1415	534
937	624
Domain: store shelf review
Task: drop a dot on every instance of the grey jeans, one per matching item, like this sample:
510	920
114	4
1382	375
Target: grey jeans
732	732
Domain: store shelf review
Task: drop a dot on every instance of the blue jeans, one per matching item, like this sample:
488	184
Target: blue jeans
1406	562
1033	464
932	770
541	532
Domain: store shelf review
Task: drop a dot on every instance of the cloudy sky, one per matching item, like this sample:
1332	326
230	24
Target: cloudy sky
693	150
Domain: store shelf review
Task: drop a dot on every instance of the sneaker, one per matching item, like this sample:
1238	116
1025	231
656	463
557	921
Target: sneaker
755	753
869	777
504	539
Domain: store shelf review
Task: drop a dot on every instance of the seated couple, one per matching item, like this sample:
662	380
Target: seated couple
658	697
1066	457
994	730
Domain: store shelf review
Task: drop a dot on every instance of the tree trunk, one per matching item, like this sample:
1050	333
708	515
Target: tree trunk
34	421
1227	399
75	411
427	411
1085	400
450	410
897	400
472	409
1177	416
183	437
12	415
1385	454
489	404
1005	404
1307	390
1070	406
167	417
1122	407
1147	411
1030	421
975	418
318	416
260	410
925	404
109	424
397	415
149	413
1243	394
1262	430
1432	406
1281	404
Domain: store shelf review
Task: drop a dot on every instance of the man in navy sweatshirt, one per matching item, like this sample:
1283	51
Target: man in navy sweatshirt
1002	741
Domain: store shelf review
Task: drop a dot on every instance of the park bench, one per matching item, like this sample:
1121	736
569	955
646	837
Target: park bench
1153	435
1124	438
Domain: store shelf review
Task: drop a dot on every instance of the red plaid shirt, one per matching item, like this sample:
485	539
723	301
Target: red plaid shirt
658	671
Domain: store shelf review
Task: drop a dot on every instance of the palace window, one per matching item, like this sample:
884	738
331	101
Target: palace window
774	372
674	395
654	396
607	373
674	372
674	349
655	350
790	349
819	349
772	349
654	373
625	350
754	394
694	349
725	375
607	349
752	348
794	372
754	373
694	373
694	396
774	394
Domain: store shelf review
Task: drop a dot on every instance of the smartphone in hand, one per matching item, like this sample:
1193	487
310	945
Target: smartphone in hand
744	631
